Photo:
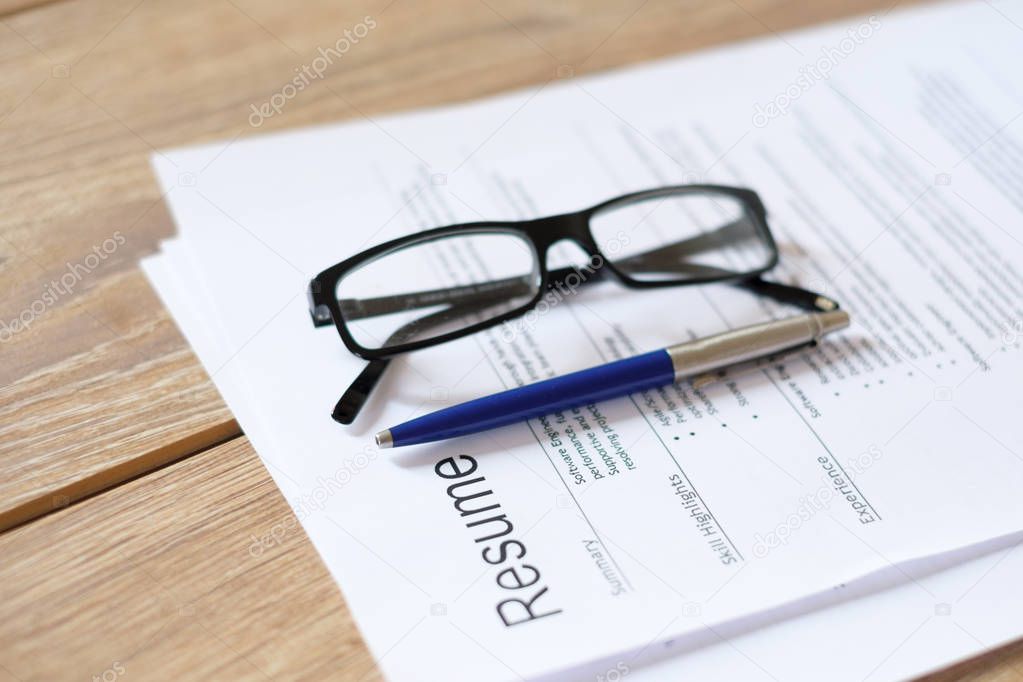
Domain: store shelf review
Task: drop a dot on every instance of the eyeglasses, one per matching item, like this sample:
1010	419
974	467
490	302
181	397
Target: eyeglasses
448	282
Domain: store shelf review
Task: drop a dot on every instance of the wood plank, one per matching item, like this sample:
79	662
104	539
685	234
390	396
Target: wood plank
106	412
157	579
13	6
1004	664
96	383
101	387
91	88
160	578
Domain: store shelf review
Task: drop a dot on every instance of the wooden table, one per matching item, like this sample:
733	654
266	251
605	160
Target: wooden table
128	495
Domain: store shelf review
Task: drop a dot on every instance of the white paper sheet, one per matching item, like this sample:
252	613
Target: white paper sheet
232	221
949	612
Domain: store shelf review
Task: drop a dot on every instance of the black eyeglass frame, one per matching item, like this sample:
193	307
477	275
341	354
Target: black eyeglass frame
541	234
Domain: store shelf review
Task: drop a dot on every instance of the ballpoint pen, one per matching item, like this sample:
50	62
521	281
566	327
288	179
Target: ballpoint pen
700	360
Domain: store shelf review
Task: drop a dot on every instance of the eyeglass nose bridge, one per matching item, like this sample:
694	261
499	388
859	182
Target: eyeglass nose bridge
572	227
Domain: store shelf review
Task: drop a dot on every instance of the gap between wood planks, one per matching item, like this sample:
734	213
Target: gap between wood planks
69	495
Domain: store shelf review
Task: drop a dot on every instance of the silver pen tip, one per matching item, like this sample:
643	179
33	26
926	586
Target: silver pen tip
384	439
832	321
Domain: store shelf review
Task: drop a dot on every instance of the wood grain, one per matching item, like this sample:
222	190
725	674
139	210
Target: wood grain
1004	664
96	383
104	413
90	89
162	578
143	578
13	6
155	574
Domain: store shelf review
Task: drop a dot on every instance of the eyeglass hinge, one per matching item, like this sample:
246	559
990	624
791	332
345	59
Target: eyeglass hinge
317	310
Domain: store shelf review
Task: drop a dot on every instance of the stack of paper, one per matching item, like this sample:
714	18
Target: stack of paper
852	512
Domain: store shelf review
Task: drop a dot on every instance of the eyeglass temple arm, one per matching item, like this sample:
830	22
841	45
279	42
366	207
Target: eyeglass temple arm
668	257
354	398
786	293
498	290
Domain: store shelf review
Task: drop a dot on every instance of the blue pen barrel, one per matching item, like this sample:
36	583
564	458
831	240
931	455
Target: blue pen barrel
543	397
